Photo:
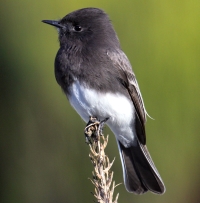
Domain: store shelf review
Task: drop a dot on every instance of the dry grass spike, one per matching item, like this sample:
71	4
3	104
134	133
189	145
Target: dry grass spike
102	174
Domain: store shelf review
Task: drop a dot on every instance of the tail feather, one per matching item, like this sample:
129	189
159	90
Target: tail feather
140	173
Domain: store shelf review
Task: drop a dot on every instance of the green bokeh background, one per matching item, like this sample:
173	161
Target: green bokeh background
43	155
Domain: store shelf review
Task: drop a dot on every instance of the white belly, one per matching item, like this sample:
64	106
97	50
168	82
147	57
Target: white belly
118	108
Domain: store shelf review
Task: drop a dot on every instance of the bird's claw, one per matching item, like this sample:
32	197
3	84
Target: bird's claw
94	129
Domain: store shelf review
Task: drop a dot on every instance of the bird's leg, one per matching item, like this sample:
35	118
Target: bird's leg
101	125
94	129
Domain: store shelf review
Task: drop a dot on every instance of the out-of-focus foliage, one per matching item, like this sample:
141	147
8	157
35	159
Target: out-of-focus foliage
42	150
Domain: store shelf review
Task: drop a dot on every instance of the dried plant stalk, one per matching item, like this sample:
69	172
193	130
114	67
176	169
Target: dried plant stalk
102	174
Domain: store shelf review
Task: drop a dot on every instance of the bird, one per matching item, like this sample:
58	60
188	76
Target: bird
98	80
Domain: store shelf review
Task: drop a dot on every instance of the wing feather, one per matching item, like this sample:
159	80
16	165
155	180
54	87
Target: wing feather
120	61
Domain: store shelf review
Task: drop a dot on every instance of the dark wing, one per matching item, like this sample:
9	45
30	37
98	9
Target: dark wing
120	60
140	173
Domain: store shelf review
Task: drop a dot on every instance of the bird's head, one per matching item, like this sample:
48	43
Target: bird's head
86	27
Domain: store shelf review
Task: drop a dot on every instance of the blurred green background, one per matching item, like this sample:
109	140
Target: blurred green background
43	155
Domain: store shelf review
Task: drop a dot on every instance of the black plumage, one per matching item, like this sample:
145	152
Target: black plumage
91	61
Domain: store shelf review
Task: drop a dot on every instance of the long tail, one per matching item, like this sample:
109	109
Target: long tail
139	171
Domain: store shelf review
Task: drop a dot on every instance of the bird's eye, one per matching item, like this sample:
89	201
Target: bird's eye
77	28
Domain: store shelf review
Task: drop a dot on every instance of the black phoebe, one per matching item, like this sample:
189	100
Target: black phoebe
98	80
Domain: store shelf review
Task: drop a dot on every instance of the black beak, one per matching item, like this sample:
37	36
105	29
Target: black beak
53	23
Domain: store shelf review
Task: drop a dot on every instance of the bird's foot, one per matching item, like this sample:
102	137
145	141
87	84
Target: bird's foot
94	129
